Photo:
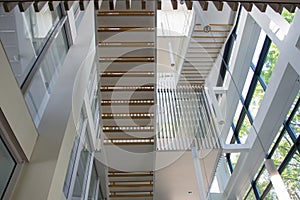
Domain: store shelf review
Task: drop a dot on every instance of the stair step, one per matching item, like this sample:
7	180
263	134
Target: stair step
126	66
127	115
127	59
128	128
109	88
127	74
126	44
120	29
126	13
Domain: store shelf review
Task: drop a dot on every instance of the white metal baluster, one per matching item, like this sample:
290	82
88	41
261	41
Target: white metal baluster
207	124
182	117
173	115
159	113
170	118
201	128
179	116
163	127
213	125
176	122
166	119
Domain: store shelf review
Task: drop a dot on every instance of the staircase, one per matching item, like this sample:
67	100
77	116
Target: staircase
126	49
203	50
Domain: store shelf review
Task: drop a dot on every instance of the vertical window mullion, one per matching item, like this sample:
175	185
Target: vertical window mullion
255	190
80	147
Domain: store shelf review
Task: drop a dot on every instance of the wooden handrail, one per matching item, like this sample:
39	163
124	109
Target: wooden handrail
126	44
126	174
130	195
120	29
125	13
127	74
204	37
110	88
127	59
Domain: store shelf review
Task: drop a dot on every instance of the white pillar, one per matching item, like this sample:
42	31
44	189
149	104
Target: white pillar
198	172
276	180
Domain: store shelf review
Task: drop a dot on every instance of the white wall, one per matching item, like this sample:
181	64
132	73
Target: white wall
14	107
43	177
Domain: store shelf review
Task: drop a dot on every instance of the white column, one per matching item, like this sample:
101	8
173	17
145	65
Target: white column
198	172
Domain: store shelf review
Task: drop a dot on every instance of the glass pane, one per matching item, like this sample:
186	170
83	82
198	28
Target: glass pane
295	122
290	176
256	99
93	184
83	166
71	164
54	59
25	36
39	25
276	138
245	129
259	46
237	112
293	105
263	181
251	195
229	136
92	79
78	14
270	63
288	17
37	97
247	82
234	158
271	195
44	79
282	149
7	166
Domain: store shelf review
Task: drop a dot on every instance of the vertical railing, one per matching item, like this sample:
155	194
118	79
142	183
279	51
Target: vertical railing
184	116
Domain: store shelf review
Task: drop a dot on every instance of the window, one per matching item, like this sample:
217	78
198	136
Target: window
71	166
285	152
78	14
287	15
250	195
82	168
25	37
79	168
7	167
262	181
93	184
256	99
261	68
290	176
270	63
44	79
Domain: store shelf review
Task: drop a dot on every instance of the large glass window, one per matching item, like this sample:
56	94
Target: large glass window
83	168
290	176
7	167
39	25
78	14
263	62
256	99
72	162
270	63
25	37
44	79
93	184
285	153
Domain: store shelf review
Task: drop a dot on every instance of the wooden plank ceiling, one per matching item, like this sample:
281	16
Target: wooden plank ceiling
277	5
126	49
